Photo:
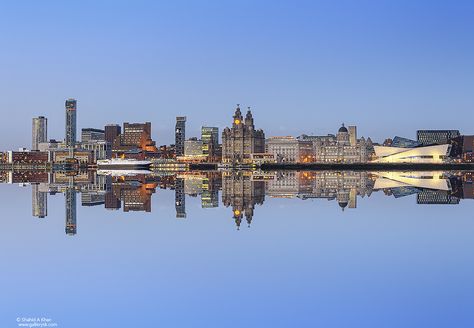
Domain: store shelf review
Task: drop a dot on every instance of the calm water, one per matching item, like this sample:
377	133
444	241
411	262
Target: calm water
287	249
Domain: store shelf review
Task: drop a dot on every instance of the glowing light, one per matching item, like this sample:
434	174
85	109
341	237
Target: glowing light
237	121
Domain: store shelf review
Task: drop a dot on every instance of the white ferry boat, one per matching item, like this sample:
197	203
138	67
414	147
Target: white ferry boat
122	164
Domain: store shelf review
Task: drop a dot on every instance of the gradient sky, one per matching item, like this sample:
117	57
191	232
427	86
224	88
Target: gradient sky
389	67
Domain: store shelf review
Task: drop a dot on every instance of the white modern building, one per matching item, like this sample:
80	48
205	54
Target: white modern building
428	154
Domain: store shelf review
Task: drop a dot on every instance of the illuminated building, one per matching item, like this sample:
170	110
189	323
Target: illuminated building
462	148
290	149
435	137
180	135
210	142
134	136
241	140
427	154
39	131
344	147
71	124
193	147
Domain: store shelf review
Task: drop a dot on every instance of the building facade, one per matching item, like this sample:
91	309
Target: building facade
193	147
290	150
90	134
242	139
435	137
344	147
39	131
210	142
71	123
180	135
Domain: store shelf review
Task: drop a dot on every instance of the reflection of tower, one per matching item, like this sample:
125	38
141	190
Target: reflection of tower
180	200
240	192
180	135
39	131
71	106
70	196
39	202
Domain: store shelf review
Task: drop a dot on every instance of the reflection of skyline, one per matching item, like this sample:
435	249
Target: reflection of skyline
241	190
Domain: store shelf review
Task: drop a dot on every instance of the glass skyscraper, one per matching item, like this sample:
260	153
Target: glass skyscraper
71	124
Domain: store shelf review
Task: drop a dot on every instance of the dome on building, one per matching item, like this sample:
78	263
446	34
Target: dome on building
343	129
343	204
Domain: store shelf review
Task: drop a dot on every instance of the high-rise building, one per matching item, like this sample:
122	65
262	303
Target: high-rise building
71	123
210	142
134	137
90	134
112	131
242	139
193	147
435	137
180	135
39	131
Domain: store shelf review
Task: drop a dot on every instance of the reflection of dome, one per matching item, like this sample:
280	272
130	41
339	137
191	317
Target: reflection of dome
343	129
343	204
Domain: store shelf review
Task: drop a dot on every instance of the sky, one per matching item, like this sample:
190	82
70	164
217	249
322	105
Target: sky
389	67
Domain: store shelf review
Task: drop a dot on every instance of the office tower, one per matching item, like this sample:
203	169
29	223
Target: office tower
193	147
180	135
431	197
90	134
180	198
112	131
241	140
39	131
70	198
352	135
39	202
435	137
71	124
210	141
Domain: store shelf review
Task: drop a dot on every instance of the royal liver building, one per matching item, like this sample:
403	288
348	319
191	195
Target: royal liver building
241	140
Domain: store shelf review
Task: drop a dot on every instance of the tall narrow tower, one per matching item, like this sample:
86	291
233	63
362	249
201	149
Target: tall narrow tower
39	131
71	125
180	135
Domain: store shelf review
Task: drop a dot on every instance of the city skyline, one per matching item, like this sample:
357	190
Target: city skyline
371	63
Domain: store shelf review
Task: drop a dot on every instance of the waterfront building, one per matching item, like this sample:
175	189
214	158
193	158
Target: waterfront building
404	143
39	131
290	150
71	122
90	134
435	137
210	142
426	154
440	197
242	139
135	137
100	149
83	157
51	145
28	157
112	131
462	148
344	147
193	147
180	135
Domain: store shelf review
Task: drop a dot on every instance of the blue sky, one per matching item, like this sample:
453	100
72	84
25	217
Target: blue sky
389	67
